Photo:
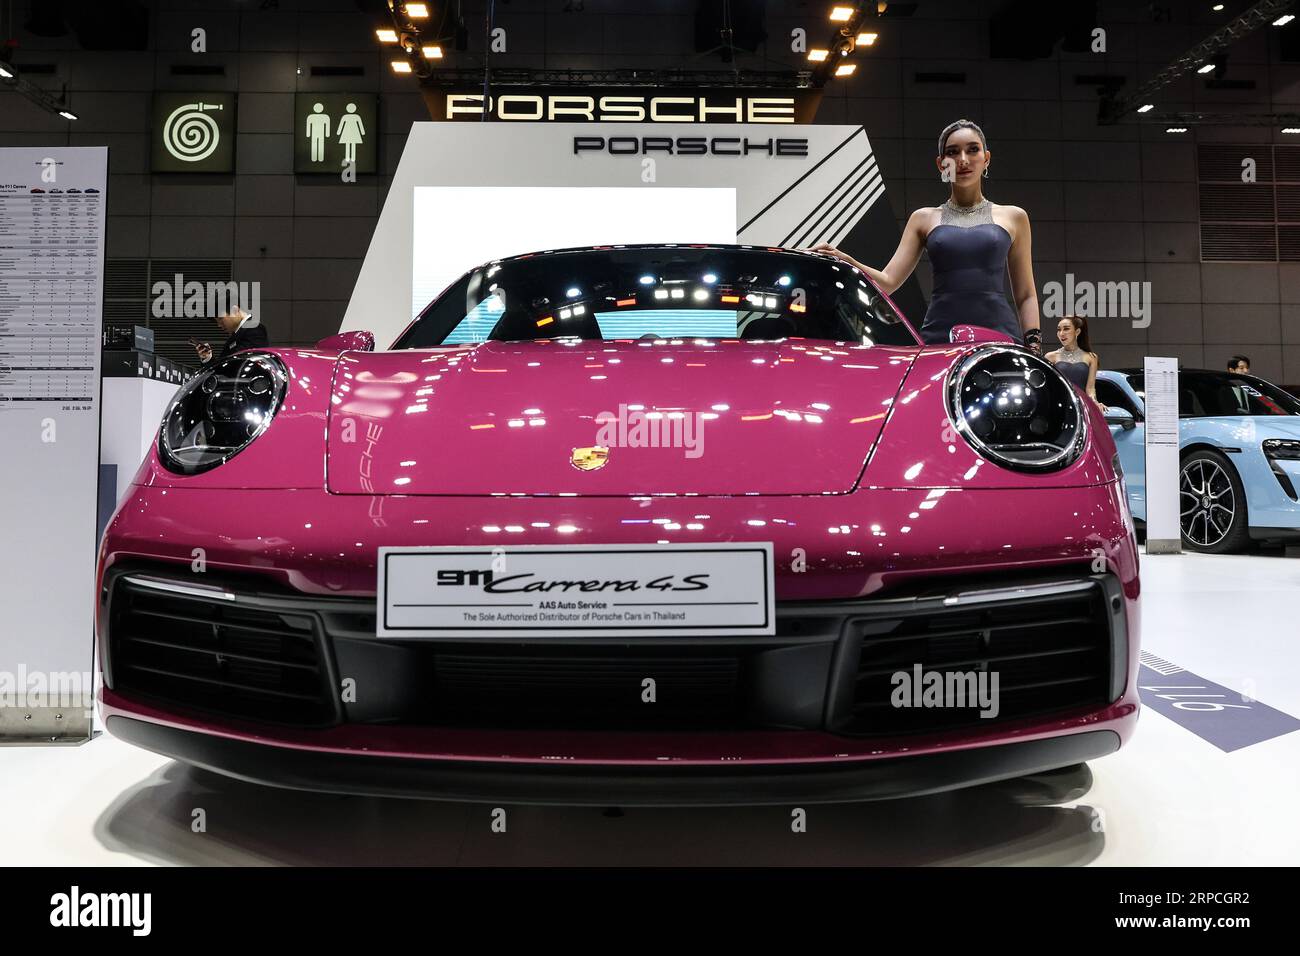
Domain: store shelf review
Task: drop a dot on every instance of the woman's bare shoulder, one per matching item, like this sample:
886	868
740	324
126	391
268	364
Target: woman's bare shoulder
923	219
1014	213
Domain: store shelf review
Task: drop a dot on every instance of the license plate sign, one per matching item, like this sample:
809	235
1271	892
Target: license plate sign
582	591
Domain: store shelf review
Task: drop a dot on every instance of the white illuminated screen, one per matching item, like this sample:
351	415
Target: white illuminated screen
459	227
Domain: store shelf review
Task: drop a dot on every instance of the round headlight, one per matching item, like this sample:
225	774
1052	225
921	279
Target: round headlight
1016	410
218	413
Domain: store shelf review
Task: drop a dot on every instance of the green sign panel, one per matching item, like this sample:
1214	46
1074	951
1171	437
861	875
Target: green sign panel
334	130
194	132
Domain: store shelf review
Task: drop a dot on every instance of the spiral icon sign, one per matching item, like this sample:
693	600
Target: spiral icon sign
190	133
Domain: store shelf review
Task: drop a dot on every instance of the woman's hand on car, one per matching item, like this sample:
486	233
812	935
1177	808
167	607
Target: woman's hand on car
830	250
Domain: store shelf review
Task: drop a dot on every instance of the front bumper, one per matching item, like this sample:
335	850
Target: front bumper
806	713
754	720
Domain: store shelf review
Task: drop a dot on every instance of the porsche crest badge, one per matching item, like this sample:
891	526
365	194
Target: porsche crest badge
589	459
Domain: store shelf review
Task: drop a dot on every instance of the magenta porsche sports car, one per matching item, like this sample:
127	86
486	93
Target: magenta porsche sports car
628	525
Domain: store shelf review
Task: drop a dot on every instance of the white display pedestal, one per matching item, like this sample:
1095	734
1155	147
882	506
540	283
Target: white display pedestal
1164	531
133	407
52	215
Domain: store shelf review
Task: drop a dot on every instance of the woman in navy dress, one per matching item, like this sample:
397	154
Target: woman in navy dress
974	244
1075	359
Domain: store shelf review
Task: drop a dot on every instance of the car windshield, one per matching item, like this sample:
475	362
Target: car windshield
660	292
1213	394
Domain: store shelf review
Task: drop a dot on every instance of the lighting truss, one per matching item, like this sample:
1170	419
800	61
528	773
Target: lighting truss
1261	14
38	95
704	79
1219	119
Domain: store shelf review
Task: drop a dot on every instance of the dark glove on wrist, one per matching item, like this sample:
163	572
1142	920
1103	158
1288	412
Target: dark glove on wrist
1034	341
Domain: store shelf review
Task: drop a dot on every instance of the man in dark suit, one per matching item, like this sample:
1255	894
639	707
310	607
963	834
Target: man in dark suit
1240	364
244	331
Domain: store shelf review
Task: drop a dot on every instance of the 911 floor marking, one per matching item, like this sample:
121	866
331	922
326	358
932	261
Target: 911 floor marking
1228	719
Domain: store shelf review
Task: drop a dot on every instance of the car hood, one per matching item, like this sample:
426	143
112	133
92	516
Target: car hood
692	416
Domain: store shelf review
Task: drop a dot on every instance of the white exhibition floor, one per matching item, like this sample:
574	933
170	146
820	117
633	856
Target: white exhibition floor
1169	798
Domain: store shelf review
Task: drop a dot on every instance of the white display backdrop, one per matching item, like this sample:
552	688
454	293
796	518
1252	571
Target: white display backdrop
133	407
788	185
1164	533
52	211
459	227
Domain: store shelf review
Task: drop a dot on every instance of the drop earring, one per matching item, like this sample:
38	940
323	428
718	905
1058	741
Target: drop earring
986	172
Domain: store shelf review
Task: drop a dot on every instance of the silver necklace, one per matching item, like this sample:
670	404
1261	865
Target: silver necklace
951	214
1071	355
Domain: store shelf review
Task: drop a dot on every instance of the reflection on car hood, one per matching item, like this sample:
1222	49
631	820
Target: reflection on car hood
569	417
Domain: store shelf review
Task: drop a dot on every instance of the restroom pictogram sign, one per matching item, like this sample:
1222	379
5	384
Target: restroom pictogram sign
333	131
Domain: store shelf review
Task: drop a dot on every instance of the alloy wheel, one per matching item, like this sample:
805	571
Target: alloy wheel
1207	504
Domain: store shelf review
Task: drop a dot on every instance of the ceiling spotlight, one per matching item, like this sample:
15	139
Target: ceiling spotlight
1218	7
417	11
818	55
867	39
1291	129
840	14
1146	107
386	36
401	66
67	114
432	52
845	69
1208	68
1176	129
1284	19
5	74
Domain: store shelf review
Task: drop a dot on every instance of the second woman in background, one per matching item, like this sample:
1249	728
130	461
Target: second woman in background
1075	359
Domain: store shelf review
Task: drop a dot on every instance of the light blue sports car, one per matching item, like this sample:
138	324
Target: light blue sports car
1240	444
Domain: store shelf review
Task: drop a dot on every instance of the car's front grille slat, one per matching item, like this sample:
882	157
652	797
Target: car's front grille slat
984	660
214	653
992	629
174	617
232	685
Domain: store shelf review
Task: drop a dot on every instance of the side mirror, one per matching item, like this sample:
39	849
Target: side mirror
358	341
1121	417
962	334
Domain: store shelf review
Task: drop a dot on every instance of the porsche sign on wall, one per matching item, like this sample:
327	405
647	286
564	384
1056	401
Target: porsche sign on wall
622	105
